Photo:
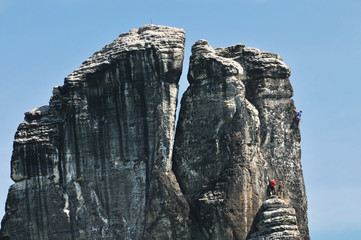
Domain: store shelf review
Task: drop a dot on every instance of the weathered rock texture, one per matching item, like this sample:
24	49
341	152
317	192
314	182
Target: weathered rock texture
96	162
276	220
235	132
99	162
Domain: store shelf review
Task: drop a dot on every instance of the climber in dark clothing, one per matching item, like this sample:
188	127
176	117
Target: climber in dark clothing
280	189
298	117
272	187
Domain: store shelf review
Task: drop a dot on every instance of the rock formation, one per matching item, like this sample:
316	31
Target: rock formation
276	220
235	132
95	163
216	155
101	161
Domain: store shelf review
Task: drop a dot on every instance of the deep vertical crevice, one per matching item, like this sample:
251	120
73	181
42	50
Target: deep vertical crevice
148	159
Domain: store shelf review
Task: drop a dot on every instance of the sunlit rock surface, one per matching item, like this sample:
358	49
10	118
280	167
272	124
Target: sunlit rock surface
236	131
96	162
276	220
103	161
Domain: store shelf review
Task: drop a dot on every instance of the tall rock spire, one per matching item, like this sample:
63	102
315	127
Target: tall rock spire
88	165
102	160
235	132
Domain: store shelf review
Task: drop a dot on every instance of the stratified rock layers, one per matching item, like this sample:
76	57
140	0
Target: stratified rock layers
96	162
99	161
235	132
276	220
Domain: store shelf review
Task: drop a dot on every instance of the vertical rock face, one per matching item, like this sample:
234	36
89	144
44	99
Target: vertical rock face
236	131
96	162
269	90
216	155
99	162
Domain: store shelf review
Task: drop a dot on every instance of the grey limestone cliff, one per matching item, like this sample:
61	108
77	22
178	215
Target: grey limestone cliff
103	159
95	163
236	131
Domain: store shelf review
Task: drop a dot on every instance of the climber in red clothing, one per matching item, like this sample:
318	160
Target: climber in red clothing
272	186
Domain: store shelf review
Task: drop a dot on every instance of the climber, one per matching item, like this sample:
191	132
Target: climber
280	189
298	117
272	186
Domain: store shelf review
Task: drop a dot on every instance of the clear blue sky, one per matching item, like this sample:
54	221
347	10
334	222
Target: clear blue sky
42	41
